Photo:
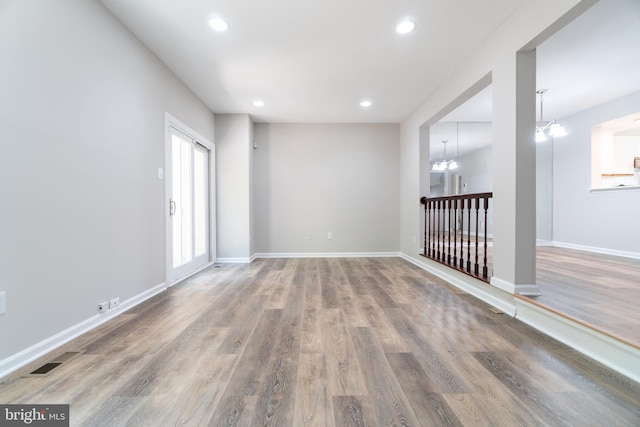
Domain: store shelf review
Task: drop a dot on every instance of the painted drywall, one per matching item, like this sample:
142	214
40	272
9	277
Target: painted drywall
497	61
315	179
600	219
82	115
475	169
233	186
544	190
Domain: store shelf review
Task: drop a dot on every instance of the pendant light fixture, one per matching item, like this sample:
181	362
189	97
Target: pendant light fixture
551	128
445	164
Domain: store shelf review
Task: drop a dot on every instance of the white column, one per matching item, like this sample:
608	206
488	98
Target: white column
233	186
514	181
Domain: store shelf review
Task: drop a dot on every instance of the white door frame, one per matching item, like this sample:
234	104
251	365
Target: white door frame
172	122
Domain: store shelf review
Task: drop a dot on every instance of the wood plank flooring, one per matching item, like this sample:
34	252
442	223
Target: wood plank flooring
324	342
602	291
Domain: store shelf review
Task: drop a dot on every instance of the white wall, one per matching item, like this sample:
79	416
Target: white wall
544	190
321	178
82	116
601	219
475	169
233	186
498	61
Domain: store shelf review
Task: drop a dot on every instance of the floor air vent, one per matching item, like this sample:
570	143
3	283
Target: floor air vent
46	369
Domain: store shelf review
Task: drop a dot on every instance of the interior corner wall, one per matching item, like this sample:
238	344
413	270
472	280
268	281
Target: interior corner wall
234	158
602	219
315	179
82	116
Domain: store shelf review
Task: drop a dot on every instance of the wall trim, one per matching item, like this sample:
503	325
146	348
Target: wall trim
513	288
238	260
594	249
328	255
611	352
490	294
30	354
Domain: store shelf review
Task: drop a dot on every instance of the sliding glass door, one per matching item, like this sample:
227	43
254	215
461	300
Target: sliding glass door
189	203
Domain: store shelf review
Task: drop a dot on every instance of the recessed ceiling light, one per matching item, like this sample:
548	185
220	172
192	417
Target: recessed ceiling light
406	26
258	103
218	24
365	104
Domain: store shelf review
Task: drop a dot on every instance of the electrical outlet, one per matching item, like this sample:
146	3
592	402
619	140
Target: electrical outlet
103	307
330	235
113	303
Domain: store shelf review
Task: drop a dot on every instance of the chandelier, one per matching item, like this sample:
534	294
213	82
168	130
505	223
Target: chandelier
551	128
445	164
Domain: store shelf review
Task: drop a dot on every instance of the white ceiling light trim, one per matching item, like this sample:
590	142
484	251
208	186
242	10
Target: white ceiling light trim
406	26
218	24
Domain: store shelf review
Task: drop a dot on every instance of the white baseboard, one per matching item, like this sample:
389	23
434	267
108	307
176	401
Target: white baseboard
239	260
594	249
611	352
28	355
492	295
512	288
329	255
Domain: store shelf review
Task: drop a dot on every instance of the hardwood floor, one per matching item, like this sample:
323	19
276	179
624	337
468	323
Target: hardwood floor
326	342
599	290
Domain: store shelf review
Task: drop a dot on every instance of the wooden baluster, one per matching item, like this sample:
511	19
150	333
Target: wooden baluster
485	270
442	213
476	267
469	236
455	231
432	252
429	225
449	232
438	230
426	241
462	234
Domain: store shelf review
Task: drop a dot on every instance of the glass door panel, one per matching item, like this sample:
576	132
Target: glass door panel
201	200
189	204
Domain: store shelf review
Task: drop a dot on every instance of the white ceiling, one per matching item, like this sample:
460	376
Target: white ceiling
312	61
315	61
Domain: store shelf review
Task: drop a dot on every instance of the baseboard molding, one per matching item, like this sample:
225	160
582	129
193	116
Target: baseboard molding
594	249
28	355
611	352
239	260
329	255
512	288
492	295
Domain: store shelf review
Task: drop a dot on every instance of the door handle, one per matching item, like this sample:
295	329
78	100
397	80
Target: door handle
172	207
